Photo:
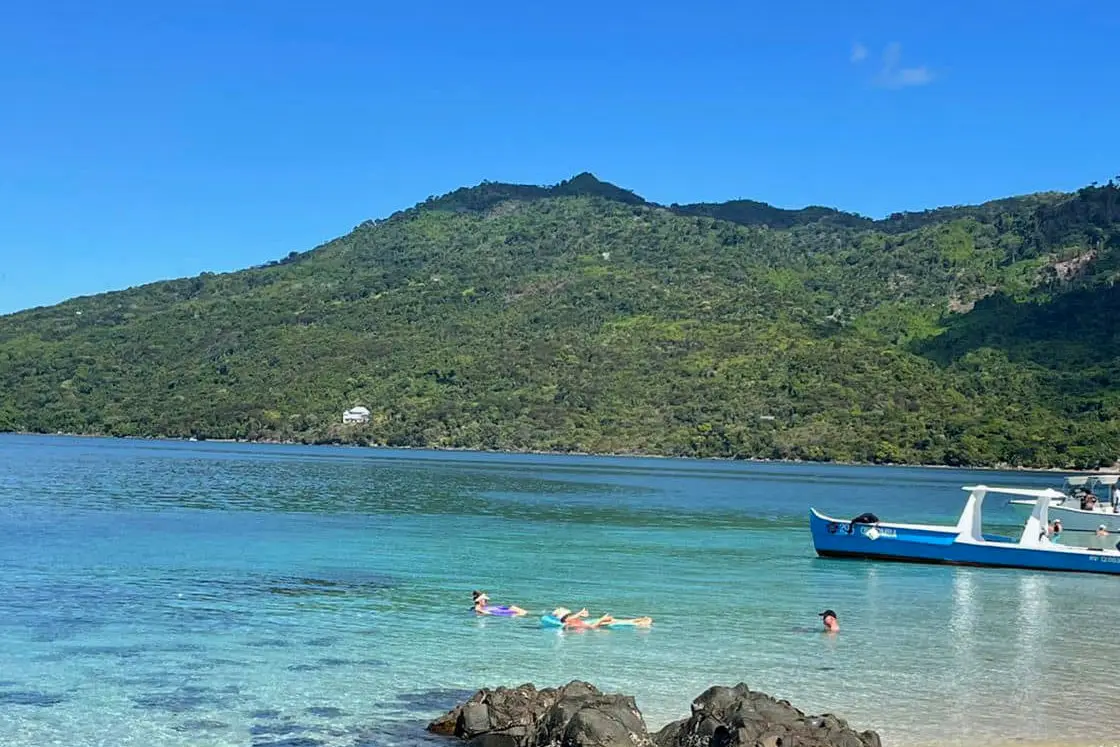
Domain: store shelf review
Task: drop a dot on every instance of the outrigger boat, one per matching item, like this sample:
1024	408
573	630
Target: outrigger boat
1079	506
963	544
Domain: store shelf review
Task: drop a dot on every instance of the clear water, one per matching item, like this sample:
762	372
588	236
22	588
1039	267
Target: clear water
227	594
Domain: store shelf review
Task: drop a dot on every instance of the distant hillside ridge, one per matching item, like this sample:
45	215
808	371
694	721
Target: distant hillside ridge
580	317
488	194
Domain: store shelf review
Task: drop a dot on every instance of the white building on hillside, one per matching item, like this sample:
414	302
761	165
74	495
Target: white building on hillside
356	415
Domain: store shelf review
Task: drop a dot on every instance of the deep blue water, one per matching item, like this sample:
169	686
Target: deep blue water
156	593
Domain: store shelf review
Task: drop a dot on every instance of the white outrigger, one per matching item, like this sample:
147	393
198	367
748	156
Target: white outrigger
1084	504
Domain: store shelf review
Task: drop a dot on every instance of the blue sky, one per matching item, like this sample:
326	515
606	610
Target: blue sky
141	141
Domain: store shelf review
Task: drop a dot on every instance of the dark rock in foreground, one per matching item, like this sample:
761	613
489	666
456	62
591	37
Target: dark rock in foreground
738	717
579	715
575	715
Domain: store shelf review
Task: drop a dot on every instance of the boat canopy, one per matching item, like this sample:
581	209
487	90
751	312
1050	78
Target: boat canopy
970	525
1077	481
1080	487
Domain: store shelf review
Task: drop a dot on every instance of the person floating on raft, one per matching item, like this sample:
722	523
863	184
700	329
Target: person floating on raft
565	618
482	607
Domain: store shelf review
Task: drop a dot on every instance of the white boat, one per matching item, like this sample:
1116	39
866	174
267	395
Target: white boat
1085	503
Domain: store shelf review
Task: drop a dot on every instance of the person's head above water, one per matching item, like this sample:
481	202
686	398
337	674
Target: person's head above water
480	597
828	617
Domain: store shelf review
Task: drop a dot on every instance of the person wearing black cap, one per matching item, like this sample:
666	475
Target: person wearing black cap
828	617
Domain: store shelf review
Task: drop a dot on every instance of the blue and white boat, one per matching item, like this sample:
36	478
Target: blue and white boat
963	544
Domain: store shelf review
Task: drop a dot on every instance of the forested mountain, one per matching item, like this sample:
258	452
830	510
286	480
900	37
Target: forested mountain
582	317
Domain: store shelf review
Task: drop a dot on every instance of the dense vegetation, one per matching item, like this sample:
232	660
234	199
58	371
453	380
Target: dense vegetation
581	317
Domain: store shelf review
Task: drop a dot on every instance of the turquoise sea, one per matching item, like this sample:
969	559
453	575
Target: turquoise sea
159	593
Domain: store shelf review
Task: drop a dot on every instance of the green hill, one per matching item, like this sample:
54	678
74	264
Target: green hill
582	317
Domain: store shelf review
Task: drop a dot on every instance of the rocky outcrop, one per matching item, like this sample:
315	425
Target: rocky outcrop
575	715
739	717
579	715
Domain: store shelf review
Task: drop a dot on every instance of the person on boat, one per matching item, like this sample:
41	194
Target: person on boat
1055	530
828	617
482	607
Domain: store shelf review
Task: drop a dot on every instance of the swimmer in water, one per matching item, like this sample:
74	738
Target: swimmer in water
828	617
482	607
575	619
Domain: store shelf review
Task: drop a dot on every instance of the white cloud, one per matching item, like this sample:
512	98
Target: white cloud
859	52
893	75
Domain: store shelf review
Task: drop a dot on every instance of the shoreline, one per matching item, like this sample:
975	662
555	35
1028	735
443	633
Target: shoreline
1013	743
714	708
604	454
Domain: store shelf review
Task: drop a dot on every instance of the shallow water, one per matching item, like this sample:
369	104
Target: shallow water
183	593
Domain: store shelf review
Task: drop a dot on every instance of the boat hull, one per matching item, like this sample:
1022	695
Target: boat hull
940	545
